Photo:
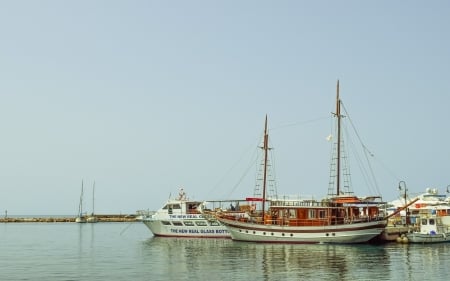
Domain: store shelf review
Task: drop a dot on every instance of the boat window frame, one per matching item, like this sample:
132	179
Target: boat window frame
312	213
322	214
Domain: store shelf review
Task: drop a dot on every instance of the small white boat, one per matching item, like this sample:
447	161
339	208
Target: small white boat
92	218
181	217
431	230
81	218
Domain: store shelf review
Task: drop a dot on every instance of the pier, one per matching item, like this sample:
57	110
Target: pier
101	218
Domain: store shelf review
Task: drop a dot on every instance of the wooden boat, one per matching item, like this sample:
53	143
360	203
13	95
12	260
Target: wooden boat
340	218
431	230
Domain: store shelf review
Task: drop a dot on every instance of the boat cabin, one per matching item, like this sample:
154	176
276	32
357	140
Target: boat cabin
428	225
184	207
321	213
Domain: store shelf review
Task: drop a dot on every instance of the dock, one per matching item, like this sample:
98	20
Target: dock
101	218
391	233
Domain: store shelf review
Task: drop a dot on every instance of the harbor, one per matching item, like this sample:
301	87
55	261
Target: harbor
52	219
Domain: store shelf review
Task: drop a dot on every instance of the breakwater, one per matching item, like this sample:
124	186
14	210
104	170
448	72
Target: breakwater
100	218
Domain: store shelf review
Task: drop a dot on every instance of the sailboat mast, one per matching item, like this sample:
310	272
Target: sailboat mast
93	192
338	156
80	209
266	148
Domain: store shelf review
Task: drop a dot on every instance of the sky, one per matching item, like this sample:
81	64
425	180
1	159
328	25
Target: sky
145	97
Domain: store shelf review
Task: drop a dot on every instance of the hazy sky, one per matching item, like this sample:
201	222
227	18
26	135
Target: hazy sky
147	96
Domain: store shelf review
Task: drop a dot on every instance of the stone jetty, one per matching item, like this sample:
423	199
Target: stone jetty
101	218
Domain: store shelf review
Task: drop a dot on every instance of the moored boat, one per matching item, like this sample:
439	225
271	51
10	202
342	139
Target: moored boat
92	218
81	218
431	229
341	217
182	217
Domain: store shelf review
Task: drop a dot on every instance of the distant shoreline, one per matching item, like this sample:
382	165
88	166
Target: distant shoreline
101	218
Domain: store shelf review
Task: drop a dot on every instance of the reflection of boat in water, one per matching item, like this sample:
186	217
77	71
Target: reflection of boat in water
260	260
342	217
182	217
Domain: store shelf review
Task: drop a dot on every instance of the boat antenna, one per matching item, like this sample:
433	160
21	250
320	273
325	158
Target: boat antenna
265	148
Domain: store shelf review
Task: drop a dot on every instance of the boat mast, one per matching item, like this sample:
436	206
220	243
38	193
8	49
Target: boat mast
80	207
266	148
93	192
338	158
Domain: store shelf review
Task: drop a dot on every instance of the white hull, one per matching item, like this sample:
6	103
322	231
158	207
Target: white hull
194	228
428	238
80	220
345	234
92	219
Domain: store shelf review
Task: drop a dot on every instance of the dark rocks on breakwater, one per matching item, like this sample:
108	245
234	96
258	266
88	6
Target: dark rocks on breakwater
101	218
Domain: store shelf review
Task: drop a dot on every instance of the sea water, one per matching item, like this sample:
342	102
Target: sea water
128	251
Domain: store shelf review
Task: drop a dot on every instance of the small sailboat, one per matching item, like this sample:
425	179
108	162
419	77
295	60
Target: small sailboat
92	218
80	218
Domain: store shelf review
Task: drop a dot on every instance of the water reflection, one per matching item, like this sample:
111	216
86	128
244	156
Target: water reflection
420	261
178	258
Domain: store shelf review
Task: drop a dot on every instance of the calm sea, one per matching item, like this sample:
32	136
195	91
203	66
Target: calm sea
124	251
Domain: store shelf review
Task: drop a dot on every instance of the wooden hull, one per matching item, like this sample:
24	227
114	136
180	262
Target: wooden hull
339	234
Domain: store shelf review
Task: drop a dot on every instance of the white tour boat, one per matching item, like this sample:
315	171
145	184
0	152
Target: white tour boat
181	217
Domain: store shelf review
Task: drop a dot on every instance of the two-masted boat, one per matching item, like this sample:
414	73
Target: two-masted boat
339	218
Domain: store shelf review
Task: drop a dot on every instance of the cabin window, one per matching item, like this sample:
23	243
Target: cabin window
172	206
322	214
166	222
432	222
192	207
188	223
424	222
200	223
311	214
214	223
292	213
178	223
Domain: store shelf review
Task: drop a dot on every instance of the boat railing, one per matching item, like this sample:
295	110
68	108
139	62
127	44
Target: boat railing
297	203
305	222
